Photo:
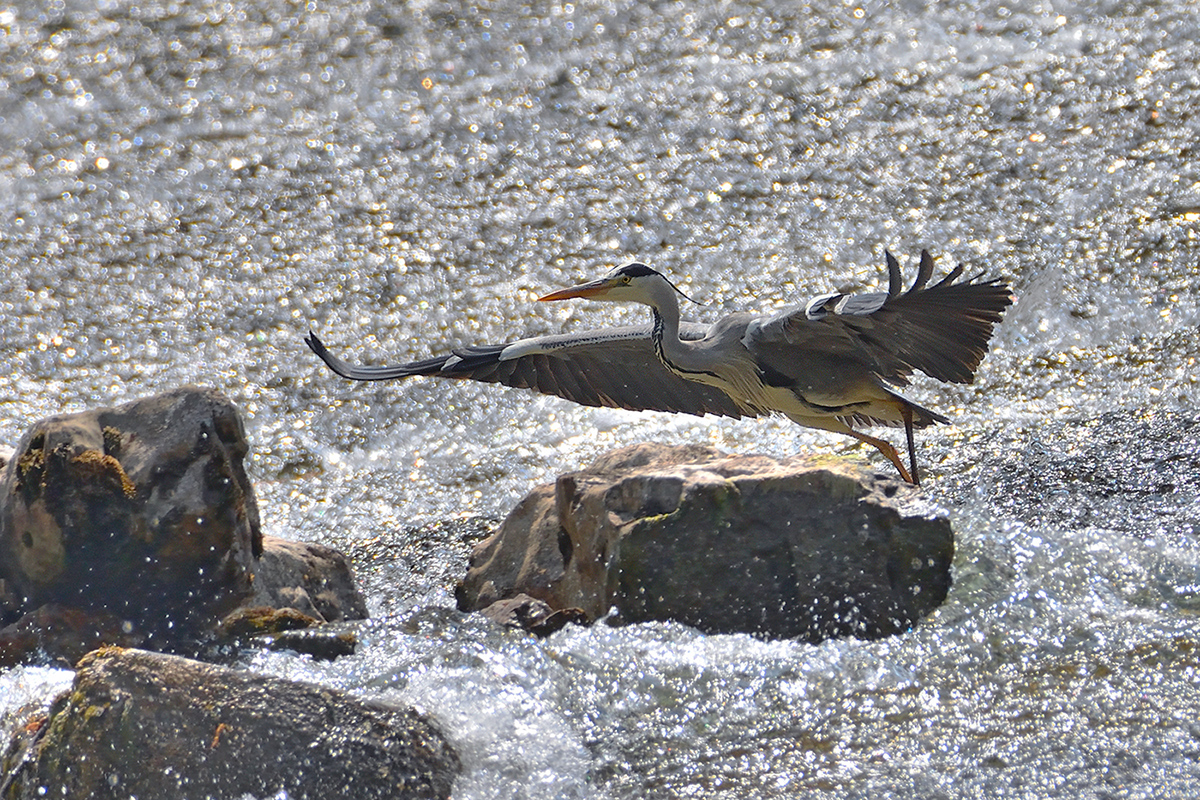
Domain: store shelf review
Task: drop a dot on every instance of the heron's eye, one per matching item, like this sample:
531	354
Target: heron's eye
626	279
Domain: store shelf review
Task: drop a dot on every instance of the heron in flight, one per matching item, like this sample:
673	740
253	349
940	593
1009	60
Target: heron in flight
831	364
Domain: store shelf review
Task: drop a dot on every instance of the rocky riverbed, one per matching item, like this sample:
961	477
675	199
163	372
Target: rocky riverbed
190	187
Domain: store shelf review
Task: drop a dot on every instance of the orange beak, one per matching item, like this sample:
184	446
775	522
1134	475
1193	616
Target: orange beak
590	289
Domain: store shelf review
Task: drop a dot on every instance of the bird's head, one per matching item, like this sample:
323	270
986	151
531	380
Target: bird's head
632	283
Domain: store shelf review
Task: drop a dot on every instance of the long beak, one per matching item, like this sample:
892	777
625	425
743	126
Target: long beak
590	289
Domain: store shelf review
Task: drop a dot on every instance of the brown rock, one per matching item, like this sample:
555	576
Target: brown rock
147	725
245	623
286	629
62	633
310	578
783	548
324	643
143	511
530	614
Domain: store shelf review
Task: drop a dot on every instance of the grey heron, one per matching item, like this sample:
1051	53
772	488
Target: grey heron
832	364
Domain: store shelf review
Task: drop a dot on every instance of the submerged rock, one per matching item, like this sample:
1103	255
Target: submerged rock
782	548
324	643
142	724
289	629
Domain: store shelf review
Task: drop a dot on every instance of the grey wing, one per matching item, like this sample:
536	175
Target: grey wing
942	330
615	367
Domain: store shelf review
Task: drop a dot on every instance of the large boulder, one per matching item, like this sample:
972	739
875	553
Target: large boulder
143	512
782	548
140	724
138	525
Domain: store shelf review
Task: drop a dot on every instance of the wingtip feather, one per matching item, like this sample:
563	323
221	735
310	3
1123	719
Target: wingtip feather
895	280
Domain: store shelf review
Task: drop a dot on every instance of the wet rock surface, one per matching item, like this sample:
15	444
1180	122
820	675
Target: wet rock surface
189	187
63	633
533	615
727	544
139	525
310	578
150	725
143	511
288	629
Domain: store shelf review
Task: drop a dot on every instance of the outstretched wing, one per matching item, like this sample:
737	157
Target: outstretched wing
616	367
942	330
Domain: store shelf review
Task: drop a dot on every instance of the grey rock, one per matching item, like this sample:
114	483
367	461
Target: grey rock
311	578
142	724
285	629
138	525
324	643
781	548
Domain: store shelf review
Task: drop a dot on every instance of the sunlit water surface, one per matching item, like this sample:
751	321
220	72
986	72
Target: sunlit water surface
407	182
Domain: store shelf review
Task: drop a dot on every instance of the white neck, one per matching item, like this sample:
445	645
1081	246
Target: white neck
682	358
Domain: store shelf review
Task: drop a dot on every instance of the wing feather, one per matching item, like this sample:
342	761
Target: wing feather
615	367
942	330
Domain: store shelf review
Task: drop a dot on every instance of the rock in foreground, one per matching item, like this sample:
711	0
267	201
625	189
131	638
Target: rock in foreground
147	725
753	544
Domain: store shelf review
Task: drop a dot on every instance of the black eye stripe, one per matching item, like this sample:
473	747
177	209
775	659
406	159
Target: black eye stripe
637	270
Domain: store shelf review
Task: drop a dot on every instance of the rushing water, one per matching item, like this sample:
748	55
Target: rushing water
187	188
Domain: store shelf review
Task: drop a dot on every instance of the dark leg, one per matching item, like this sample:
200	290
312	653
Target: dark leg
906	412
